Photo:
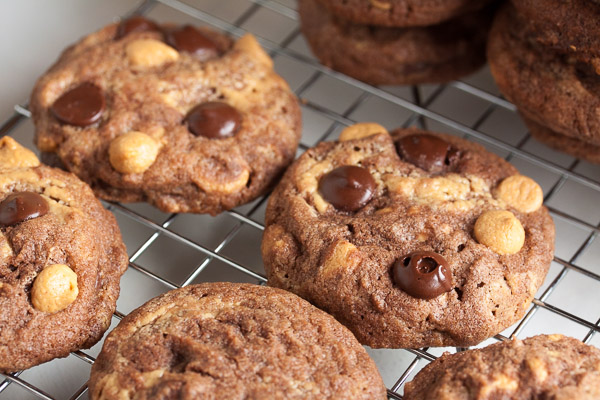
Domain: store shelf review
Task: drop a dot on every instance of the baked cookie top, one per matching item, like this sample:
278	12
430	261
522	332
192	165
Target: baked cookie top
178	116
232	341
551	89
410	239
61	258
541	367
400	13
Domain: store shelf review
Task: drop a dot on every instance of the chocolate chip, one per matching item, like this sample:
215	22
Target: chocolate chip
214	120
348	188
21	206
427	152
191	40
422	274
136	24
80	106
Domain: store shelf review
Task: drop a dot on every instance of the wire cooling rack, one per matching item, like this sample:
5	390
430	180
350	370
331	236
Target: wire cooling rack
170	251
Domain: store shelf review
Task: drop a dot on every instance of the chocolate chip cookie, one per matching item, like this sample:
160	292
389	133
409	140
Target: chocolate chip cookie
400	13
541	367
571	27
554	91
179	116
232	341
410	239
396	56
61	258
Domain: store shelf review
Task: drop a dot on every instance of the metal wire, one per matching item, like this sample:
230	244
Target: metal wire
420	114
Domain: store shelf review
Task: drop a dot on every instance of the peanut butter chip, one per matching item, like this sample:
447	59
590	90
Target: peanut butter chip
13	155
249	45
133	152
361	130
501	231
54	288
521	192
150	53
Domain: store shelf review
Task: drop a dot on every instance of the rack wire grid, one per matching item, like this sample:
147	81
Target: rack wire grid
170	251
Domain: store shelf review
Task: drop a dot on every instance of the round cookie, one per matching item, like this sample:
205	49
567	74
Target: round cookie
567	144
61	258
180	117
396	56
442	244
400	13
232	341
571	27
541	367
552	90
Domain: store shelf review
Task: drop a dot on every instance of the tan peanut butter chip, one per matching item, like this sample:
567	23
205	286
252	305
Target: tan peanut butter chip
521	192
54	288
133	152
150	53
501	231
250	46
361	130
12	154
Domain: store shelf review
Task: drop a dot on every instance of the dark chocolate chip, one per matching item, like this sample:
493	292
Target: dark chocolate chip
190	40
21	206
215	120
423	274
136	24
348	188
80	106
427	152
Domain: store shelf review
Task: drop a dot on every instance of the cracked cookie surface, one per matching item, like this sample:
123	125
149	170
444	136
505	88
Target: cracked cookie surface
541	367
120	110
433	193
61	258
232	341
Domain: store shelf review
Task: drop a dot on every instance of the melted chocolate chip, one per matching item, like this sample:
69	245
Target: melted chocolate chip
80	106
422	274
136	24
21	206
191	40
214	120
348	188
427	152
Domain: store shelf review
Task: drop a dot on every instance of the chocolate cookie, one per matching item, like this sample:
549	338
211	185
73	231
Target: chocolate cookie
61	258
571	27
232	341
400	13
541	367
567	144
554	91
410	239
180	117
398	56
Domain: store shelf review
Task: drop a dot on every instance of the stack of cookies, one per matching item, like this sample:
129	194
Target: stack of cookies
398	42
546	60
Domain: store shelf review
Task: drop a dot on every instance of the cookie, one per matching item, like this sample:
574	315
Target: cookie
178	116
553	91
400	13
576	148
232	341
541	367
571	27
411	239
61	258
396	56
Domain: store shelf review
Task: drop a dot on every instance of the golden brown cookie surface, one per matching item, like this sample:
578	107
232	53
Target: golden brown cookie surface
181	117
430	254
232	341
61	258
